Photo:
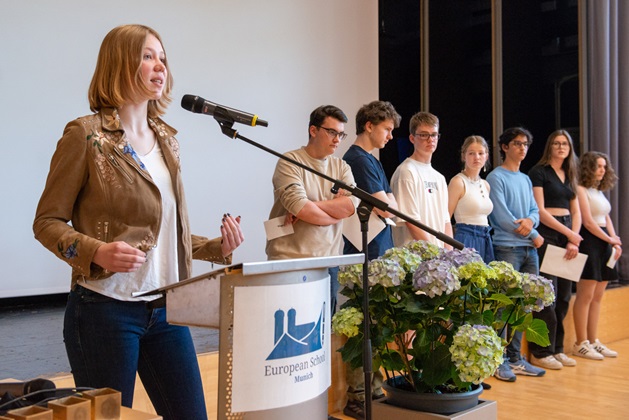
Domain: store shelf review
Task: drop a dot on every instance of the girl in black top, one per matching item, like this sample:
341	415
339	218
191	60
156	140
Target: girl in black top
554	180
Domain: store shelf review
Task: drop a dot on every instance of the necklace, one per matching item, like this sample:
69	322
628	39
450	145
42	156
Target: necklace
478	181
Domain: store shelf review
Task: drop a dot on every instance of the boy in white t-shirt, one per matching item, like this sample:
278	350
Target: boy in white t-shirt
421	191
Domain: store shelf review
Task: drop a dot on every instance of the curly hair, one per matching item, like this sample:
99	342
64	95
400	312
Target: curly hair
376	112
588	164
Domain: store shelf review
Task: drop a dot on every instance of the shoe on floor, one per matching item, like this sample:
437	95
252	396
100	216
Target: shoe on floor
585	350
548	362
565	360
355	409
504	373
602	349
522	367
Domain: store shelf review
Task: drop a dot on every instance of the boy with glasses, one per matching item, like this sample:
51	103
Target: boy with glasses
305	200
421	191
514	218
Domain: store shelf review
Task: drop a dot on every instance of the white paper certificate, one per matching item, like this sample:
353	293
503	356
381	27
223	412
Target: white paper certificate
555	264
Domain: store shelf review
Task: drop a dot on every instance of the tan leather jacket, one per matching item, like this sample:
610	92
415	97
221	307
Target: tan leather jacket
99	184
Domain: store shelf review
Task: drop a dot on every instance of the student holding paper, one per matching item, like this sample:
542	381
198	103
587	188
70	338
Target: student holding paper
596	175
375	122
554	180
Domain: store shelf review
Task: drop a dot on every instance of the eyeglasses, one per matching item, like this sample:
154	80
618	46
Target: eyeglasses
333	133
559	144
517	143
424	136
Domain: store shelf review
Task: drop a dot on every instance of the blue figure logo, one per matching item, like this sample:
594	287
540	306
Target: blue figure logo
295	340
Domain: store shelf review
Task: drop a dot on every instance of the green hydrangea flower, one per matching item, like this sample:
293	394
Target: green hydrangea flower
476	352
346	321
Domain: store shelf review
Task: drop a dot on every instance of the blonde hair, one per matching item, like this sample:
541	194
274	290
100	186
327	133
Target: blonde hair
471	140
117	76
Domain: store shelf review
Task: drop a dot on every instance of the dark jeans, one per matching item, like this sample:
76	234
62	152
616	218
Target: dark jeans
334	288
108	340
525	260
554	315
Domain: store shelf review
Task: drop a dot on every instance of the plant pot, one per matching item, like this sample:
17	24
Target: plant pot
430	402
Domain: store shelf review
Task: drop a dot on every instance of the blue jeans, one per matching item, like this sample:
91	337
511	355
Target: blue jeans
477	237
525	260
108	340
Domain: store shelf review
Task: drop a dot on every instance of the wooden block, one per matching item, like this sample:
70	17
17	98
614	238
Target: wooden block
33	412
70	408
105	403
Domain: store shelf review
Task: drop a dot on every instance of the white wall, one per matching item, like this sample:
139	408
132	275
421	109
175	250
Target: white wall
277	58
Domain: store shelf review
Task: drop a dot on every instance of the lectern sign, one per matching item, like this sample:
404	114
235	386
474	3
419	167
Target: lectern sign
280	353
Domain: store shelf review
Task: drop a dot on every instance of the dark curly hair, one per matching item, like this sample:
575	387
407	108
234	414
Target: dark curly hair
376	112
587	168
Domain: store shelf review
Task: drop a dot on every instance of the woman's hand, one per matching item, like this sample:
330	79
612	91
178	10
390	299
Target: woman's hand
618	249
231	235
575	238
119	257
571	251
615	241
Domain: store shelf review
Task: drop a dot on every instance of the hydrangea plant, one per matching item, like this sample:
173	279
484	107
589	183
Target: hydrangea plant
437	315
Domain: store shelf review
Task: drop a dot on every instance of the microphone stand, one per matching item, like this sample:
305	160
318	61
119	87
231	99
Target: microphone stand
367	203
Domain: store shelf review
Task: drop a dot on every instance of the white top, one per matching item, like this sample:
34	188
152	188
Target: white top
475	205
160	268
599	206
421	193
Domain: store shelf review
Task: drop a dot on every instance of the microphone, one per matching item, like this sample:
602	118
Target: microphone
200	106
19	389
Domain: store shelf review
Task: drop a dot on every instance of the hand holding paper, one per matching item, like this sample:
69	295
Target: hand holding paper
555	264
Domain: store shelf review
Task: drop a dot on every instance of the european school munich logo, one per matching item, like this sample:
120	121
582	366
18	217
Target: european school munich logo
295	340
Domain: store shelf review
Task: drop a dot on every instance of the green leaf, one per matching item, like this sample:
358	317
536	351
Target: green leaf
392	360
438	367
537	333
488	318
499	297
352	351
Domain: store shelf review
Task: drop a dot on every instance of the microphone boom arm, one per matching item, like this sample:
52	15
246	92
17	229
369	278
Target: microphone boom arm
226	124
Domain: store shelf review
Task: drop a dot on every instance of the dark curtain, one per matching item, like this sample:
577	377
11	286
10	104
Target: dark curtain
608	96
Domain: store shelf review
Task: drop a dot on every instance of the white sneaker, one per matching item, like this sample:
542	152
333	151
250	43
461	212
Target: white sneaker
586	351
602	349
548	362
565	360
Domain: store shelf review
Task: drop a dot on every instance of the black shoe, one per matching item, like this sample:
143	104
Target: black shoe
355	409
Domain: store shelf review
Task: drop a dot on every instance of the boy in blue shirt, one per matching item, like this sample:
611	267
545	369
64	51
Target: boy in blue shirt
374	127
514	218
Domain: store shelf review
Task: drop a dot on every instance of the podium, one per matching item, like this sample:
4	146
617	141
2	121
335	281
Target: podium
274	340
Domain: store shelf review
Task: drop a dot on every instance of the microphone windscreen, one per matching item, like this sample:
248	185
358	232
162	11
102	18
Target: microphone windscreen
190	102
